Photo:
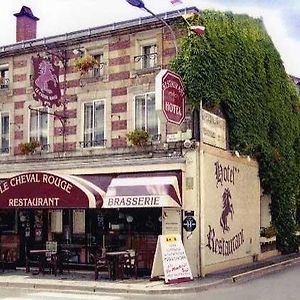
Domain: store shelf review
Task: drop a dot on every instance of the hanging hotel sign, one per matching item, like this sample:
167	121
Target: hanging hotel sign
46	82
213	129
170	97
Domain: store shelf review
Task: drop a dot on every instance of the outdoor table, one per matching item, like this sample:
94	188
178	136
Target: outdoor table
116	257
41	253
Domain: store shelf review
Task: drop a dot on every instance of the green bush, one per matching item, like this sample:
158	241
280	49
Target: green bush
138	137
236	67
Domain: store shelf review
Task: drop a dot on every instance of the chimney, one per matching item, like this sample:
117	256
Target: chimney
26	24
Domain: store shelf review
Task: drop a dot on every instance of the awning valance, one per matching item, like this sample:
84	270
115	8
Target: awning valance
49	190
155	191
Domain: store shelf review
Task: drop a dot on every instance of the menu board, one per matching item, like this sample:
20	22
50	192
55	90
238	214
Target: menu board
170	260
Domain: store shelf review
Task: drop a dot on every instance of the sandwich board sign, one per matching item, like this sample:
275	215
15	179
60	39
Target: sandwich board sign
170	260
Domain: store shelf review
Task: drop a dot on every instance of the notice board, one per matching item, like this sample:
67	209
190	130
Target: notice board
170	260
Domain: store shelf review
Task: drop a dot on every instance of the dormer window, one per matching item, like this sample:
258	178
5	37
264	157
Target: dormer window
149	56
98	70
147	59
4	77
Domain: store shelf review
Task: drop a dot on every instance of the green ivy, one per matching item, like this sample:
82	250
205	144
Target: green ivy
236	67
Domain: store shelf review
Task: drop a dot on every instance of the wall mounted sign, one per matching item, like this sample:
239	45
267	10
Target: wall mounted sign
46	82
189	224
213	129
170	97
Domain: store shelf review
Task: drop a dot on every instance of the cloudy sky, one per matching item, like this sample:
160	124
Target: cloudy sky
281	18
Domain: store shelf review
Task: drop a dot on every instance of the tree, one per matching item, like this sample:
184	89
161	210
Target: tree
236	68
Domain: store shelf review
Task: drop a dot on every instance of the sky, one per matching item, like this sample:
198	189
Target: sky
281	18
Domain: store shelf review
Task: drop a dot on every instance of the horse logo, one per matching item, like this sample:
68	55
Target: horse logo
45	76
227	209
46	82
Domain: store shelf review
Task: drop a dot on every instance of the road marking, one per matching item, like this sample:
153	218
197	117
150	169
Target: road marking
72	296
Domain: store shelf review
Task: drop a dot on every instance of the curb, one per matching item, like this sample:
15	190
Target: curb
264	270
116	290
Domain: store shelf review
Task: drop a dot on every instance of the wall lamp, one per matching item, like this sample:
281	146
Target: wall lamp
78	52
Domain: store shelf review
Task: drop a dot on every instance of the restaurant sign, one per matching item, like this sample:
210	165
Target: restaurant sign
170	97
42	190
46	82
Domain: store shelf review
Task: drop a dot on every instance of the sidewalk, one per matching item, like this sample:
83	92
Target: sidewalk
84	281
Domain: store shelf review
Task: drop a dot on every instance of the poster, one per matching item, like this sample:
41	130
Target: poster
78	221
170	260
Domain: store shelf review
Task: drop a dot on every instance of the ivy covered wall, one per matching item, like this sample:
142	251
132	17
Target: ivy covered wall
236	68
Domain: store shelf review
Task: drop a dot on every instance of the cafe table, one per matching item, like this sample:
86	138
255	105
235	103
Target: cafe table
116	258
41	255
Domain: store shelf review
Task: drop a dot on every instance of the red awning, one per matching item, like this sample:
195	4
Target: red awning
156	191
49	190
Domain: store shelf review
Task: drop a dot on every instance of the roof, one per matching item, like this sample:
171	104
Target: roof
68	38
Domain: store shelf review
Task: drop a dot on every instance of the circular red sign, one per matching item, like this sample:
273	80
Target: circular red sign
173	98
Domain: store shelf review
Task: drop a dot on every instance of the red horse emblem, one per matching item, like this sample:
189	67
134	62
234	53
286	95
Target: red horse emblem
45	76
227	209
46	82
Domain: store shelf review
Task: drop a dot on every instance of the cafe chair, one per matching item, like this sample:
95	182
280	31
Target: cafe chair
63	260
2	261
101	265
130	264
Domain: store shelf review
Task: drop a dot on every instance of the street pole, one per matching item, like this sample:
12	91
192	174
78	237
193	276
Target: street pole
140	4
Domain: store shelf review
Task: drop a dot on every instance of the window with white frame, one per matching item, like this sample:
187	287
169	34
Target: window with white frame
93	124
98	71
145	114
39	129
4	147
4	76
149	56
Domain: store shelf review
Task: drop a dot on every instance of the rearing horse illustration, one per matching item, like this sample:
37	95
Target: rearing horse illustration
45	76
227	209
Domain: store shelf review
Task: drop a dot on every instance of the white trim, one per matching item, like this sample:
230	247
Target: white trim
9	124
104	120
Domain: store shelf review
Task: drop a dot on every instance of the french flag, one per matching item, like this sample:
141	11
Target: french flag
200	30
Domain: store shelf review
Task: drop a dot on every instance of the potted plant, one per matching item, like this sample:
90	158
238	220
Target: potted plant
29	148
138	137
85	63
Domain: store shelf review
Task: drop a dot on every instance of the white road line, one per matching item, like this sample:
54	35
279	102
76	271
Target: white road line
62	295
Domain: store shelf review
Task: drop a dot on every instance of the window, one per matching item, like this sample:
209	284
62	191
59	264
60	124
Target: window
145	114
39	126
4	147
93	126
98	70
149	56
4	77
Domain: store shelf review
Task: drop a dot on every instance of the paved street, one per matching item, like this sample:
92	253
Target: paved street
282	285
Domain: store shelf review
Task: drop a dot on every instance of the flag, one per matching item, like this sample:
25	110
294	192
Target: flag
175	2
199	30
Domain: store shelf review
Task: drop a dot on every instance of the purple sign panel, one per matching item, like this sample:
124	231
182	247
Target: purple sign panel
46	82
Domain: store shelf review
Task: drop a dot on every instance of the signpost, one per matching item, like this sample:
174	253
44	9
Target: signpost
170	97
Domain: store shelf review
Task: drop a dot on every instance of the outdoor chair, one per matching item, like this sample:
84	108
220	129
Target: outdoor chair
130	264
101	264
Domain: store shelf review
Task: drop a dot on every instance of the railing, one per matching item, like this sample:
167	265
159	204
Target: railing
5	150
147	60
4	83
90	144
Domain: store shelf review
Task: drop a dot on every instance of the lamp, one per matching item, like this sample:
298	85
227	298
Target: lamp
140	4
77	52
